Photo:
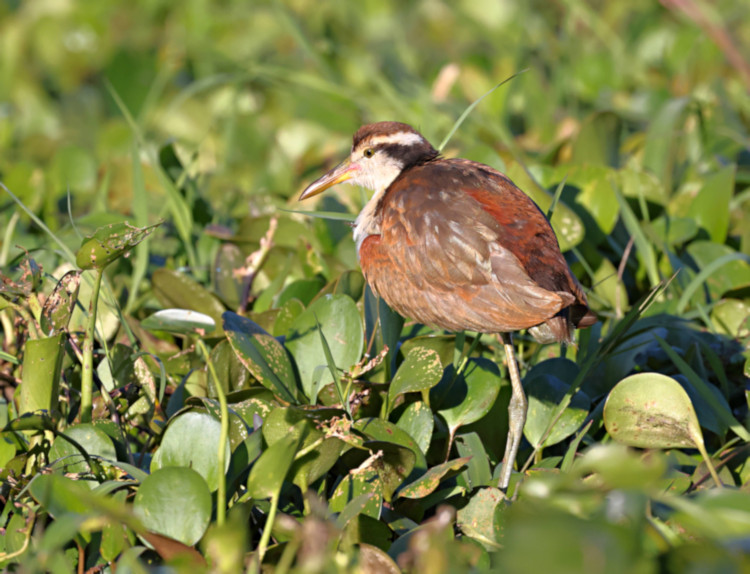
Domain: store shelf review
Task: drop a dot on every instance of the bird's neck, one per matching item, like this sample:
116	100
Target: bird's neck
368	220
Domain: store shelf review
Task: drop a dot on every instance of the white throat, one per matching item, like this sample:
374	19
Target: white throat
367	223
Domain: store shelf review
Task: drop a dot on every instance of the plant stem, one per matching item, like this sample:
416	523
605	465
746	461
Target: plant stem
87	376
221	494
266	536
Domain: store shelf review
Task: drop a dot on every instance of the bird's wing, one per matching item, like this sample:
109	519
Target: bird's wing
442	237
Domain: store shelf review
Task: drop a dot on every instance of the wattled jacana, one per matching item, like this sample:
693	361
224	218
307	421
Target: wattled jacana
455	244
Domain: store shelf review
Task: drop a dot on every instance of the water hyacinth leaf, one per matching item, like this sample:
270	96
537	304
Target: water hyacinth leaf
355	507
544	393
271	468
178	291
192	441
303	290
232	374
183	321
262	355
710	208
651	410
380	430
93	440
481	518
351	283
342	327
393	462
418	421
296	422
59	306
286	316
239	429
228	287
59	495
356	485
110	242
420	371
477	472
42	364
174	502
472	394
429	481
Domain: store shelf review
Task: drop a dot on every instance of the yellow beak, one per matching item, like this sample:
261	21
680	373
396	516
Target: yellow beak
342	172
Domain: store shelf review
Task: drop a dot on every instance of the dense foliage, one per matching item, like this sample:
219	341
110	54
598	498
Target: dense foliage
195	374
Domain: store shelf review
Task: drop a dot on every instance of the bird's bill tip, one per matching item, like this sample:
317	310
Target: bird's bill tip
341	173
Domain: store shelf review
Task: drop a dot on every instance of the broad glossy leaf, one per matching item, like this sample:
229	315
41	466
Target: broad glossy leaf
271	469
393	462
177	290
341	323
651	410
418	421
355	486
93	440
262	355
305	426
110	242
60	495
232	374
472	393
192	441
544	392
174	502
42	363
286	316
183	321
481	518
420	371
477	472
228	259
735	274
672	230
429	481
355	507
710	208
380	430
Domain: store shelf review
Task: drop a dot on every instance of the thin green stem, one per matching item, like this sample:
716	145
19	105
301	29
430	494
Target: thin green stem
266	536
221	494
87	376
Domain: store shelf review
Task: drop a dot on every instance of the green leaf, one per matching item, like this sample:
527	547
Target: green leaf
109	243
710	208
651	410
92	439
191	440
544	393
420	371
342	327
418	421
262	355
177	290
356	485
270	470
477	473
174	502
661	140
481	519
472	393
229	258
355	507
60	304
380	430
429	481
60	495
42	364
182	321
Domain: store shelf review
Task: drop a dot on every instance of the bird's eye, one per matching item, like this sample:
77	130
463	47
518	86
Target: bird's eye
369	152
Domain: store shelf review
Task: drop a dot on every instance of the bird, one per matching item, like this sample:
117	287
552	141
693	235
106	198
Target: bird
455	244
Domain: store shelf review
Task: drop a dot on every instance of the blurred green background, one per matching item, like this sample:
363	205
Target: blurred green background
213	116
257	96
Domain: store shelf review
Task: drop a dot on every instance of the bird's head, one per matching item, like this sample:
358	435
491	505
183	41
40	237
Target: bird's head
380	153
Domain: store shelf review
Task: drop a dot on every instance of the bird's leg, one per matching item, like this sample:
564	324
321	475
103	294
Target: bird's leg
516	412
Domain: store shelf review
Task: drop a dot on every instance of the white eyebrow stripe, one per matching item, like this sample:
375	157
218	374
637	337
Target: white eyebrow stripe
399	138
